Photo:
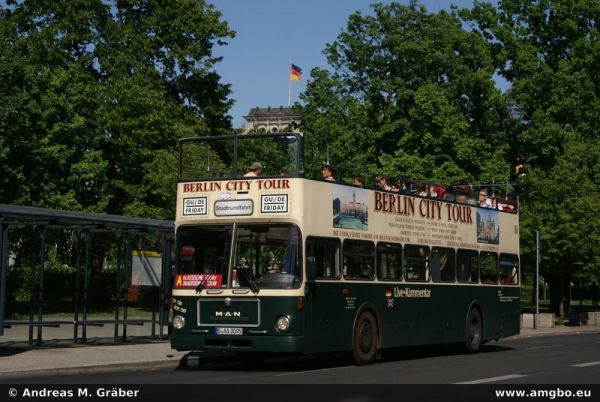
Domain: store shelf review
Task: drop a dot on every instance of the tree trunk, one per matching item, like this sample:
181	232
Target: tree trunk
559	293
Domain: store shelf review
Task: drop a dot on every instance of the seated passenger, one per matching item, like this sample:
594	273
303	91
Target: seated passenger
358	181
441	192
381	182
484	200
506	206
422	190
433	193
328	173
512	279
448	194
254	170
406	187
462	193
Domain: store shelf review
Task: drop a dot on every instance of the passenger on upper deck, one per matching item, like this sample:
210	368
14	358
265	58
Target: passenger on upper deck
449	194
405	188
358	181
422	190
461	194
484	200
254	170
328	173
381	182
433	191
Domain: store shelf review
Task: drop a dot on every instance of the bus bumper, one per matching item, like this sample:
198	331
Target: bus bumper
283	344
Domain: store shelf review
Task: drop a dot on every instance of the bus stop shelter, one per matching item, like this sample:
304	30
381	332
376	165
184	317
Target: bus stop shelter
40	228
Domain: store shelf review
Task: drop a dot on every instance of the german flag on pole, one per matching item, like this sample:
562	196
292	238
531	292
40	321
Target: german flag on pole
295	73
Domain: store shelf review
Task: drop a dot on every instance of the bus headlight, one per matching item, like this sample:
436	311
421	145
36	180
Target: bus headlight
282	323
178	322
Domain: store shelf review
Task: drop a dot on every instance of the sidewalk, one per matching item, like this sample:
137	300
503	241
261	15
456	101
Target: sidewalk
556	330
20	362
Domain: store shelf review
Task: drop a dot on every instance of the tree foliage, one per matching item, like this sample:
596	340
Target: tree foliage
95	94
412	94
549	51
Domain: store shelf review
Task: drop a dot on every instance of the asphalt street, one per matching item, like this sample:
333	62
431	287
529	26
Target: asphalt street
559	359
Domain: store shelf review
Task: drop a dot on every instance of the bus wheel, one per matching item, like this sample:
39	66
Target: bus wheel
474	331
364	344
252	359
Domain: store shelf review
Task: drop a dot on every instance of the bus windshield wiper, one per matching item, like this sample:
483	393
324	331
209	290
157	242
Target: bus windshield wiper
248	277
202	284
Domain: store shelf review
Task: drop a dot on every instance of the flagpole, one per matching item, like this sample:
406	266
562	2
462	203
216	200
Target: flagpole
290	85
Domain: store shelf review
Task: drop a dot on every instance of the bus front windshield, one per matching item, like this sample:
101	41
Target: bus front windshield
266	256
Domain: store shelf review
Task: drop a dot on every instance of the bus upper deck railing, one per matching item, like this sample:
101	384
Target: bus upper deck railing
282	155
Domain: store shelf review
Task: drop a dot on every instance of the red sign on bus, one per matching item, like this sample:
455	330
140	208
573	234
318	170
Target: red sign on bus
183	281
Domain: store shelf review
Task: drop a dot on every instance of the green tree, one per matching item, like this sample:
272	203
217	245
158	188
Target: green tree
410	94
95	94
562	205
549	51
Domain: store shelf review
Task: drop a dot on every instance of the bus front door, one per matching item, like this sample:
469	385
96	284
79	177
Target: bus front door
324	329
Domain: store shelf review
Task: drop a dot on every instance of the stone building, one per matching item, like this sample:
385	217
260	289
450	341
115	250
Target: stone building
272	120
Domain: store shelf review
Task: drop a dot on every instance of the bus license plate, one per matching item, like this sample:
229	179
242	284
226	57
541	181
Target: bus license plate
228	331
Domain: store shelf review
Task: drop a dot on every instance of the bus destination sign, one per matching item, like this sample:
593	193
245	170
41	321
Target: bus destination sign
234	207
275	203
194	206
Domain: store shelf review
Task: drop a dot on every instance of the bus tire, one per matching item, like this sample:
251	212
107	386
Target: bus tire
365	339
473	332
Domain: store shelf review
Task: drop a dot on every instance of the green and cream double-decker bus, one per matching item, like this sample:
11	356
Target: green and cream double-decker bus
272	261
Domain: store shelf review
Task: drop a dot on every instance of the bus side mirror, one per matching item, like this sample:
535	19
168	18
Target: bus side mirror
311	269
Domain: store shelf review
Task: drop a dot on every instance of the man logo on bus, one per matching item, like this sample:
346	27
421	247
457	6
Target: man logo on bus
228	314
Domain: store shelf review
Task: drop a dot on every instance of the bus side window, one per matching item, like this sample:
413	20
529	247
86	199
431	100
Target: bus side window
467	266
359	260
442	264
509	269
416	263
325	253
389	261
489	267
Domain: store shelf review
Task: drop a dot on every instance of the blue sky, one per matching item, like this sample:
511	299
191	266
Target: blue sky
271	33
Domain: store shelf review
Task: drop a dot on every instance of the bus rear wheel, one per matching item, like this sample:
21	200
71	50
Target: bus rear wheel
474	331
365	339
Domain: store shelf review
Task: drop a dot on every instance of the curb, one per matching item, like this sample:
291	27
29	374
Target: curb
90	369
546	332
189	361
